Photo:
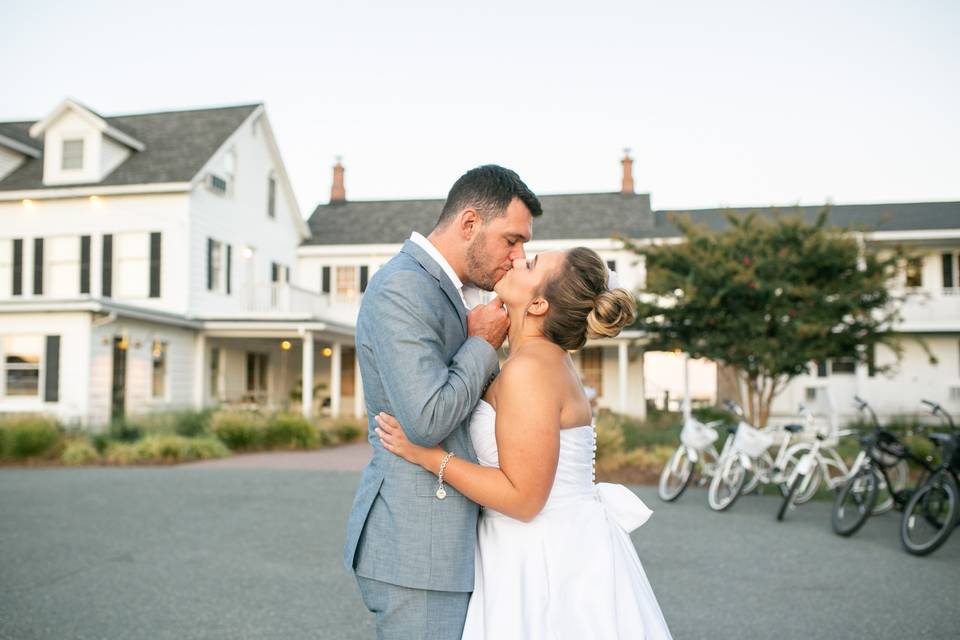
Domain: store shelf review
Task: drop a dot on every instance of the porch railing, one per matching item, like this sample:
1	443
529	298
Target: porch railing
282	296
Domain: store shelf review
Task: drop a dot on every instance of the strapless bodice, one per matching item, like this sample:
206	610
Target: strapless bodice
575	466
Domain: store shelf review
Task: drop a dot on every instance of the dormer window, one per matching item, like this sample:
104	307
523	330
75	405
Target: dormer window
72	155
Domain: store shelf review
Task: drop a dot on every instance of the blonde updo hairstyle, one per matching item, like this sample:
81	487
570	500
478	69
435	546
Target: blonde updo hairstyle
581	305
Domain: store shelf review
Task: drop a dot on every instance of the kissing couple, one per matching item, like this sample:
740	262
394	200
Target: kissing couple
478	516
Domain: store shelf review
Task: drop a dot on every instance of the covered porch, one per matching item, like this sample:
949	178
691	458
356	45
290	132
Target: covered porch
247	364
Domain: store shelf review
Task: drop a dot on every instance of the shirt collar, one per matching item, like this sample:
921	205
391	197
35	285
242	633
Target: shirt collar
431	250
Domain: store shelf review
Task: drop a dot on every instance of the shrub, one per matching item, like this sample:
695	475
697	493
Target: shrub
79	452
290	431
27	435
121	453
192	423
239	430
346	432
173	448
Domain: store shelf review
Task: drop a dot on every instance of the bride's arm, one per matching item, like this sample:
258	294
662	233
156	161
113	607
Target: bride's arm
528	442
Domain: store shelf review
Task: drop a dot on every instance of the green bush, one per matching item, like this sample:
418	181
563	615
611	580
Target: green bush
121	453
659	429
79	452
290	431
239	430
27	435
346	432
173	448
192	423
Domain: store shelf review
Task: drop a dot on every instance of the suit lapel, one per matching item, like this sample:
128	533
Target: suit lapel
430	266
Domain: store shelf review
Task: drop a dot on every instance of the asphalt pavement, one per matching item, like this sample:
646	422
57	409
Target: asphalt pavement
183	552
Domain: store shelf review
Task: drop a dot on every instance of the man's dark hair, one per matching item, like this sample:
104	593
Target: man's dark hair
488	189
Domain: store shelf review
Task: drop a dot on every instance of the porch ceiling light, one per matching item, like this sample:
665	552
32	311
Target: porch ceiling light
285	345
95	201
247	252
27	202
124	343
327	352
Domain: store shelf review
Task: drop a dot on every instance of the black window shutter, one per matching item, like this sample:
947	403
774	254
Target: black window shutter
155	264
210	264
872	361
822	369
325	288
229	262
364	275
106	269
38	266
271	197
286	274
51	378
84	264
274	272
18	267
947	270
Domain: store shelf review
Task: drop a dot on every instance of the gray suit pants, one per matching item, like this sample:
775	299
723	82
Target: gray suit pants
414	614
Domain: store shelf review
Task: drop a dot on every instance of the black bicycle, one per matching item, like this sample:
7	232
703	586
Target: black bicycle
930	515
880	465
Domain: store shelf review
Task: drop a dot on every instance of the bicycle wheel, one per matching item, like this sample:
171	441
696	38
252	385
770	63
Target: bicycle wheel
726	484
675	475
898	475
810	487
930	515
791	496
855	502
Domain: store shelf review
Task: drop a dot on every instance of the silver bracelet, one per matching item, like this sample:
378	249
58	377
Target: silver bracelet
441	492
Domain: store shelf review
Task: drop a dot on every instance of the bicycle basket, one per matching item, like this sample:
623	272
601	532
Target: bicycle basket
887	449
751	441
696	435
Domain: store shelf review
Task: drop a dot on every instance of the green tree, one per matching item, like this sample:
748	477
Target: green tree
767	298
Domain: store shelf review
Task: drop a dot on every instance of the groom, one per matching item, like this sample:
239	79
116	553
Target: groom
427	351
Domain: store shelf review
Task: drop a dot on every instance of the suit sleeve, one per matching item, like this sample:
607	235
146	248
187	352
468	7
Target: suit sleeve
429	396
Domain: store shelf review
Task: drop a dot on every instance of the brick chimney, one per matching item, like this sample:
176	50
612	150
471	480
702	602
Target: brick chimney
338	193
626	184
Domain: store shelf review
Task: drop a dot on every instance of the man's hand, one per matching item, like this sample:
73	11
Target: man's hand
489	321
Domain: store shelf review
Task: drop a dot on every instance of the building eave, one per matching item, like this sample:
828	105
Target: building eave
57	193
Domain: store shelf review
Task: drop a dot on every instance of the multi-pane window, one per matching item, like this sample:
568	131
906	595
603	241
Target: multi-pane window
72	154
21	364
591	368
158	356
62	266
914	272
6	267
132	265
346	282
257	369
214	265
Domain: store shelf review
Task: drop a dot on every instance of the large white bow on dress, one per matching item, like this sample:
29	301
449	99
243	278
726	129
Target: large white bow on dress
623	505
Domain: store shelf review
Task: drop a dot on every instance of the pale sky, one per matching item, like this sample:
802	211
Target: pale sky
723	103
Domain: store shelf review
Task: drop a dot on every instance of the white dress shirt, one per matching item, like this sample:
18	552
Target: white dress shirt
469	294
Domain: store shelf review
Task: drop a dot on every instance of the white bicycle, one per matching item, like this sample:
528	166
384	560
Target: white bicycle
749	453
821	464
696	448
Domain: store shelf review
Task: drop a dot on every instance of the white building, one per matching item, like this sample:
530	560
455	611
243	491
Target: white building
148	262
351	239
159	261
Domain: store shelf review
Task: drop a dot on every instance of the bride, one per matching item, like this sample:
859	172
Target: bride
554	557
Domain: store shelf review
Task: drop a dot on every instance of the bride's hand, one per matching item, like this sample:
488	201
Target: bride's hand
395	440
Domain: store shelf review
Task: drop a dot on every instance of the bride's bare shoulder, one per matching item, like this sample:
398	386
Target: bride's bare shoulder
531	368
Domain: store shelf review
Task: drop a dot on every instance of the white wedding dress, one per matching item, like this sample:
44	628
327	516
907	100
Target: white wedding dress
572	571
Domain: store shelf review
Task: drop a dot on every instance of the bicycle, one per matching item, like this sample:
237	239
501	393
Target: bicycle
930	515
749	453
881	454
696	448
813	470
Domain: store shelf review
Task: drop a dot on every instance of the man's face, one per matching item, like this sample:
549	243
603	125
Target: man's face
497	244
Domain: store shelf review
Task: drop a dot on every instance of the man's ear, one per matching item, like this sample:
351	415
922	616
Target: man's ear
538	306
469	222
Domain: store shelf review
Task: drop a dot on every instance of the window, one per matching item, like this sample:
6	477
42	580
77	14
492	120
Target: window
6	267
72	154
347	282
159	357
591	368
951	272
217	184
914	272
214	372
843	365
132	265
63	267
21	365
810	394
257	368
272	197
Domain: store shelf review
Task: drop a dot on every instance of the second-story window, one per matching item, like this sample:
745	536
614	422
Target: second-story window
347	282
951	272
272	197
63	267
72	154
215	270
914	272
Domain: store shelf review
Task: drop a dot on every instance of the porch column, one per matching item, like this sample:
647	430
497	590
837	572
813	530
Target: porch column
359	406
199	370
643	385
686	386
306	395
335	380
622	362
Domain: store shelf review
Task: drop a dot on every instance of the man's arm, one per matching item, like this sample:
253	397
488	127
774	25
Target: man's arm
428	396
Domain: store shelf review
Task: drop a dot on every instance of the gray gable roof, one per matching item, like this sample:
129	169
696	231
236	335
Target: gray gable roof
585	215
603	215
178	144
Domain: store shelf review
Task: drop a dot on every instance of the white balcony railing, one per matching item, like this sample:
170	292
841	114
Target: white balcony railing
284	297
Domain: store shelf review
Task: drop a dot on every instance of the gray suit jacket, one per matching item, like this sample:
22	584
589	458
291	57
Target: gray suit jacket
418	365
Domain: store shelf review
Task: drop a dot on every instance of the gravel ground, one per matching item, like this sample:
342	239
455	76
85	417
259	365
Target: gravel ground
184	553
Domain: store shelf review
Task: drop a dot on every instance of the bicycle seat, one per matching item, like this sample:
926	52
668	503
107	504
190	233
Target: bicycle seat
731	429
793	428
